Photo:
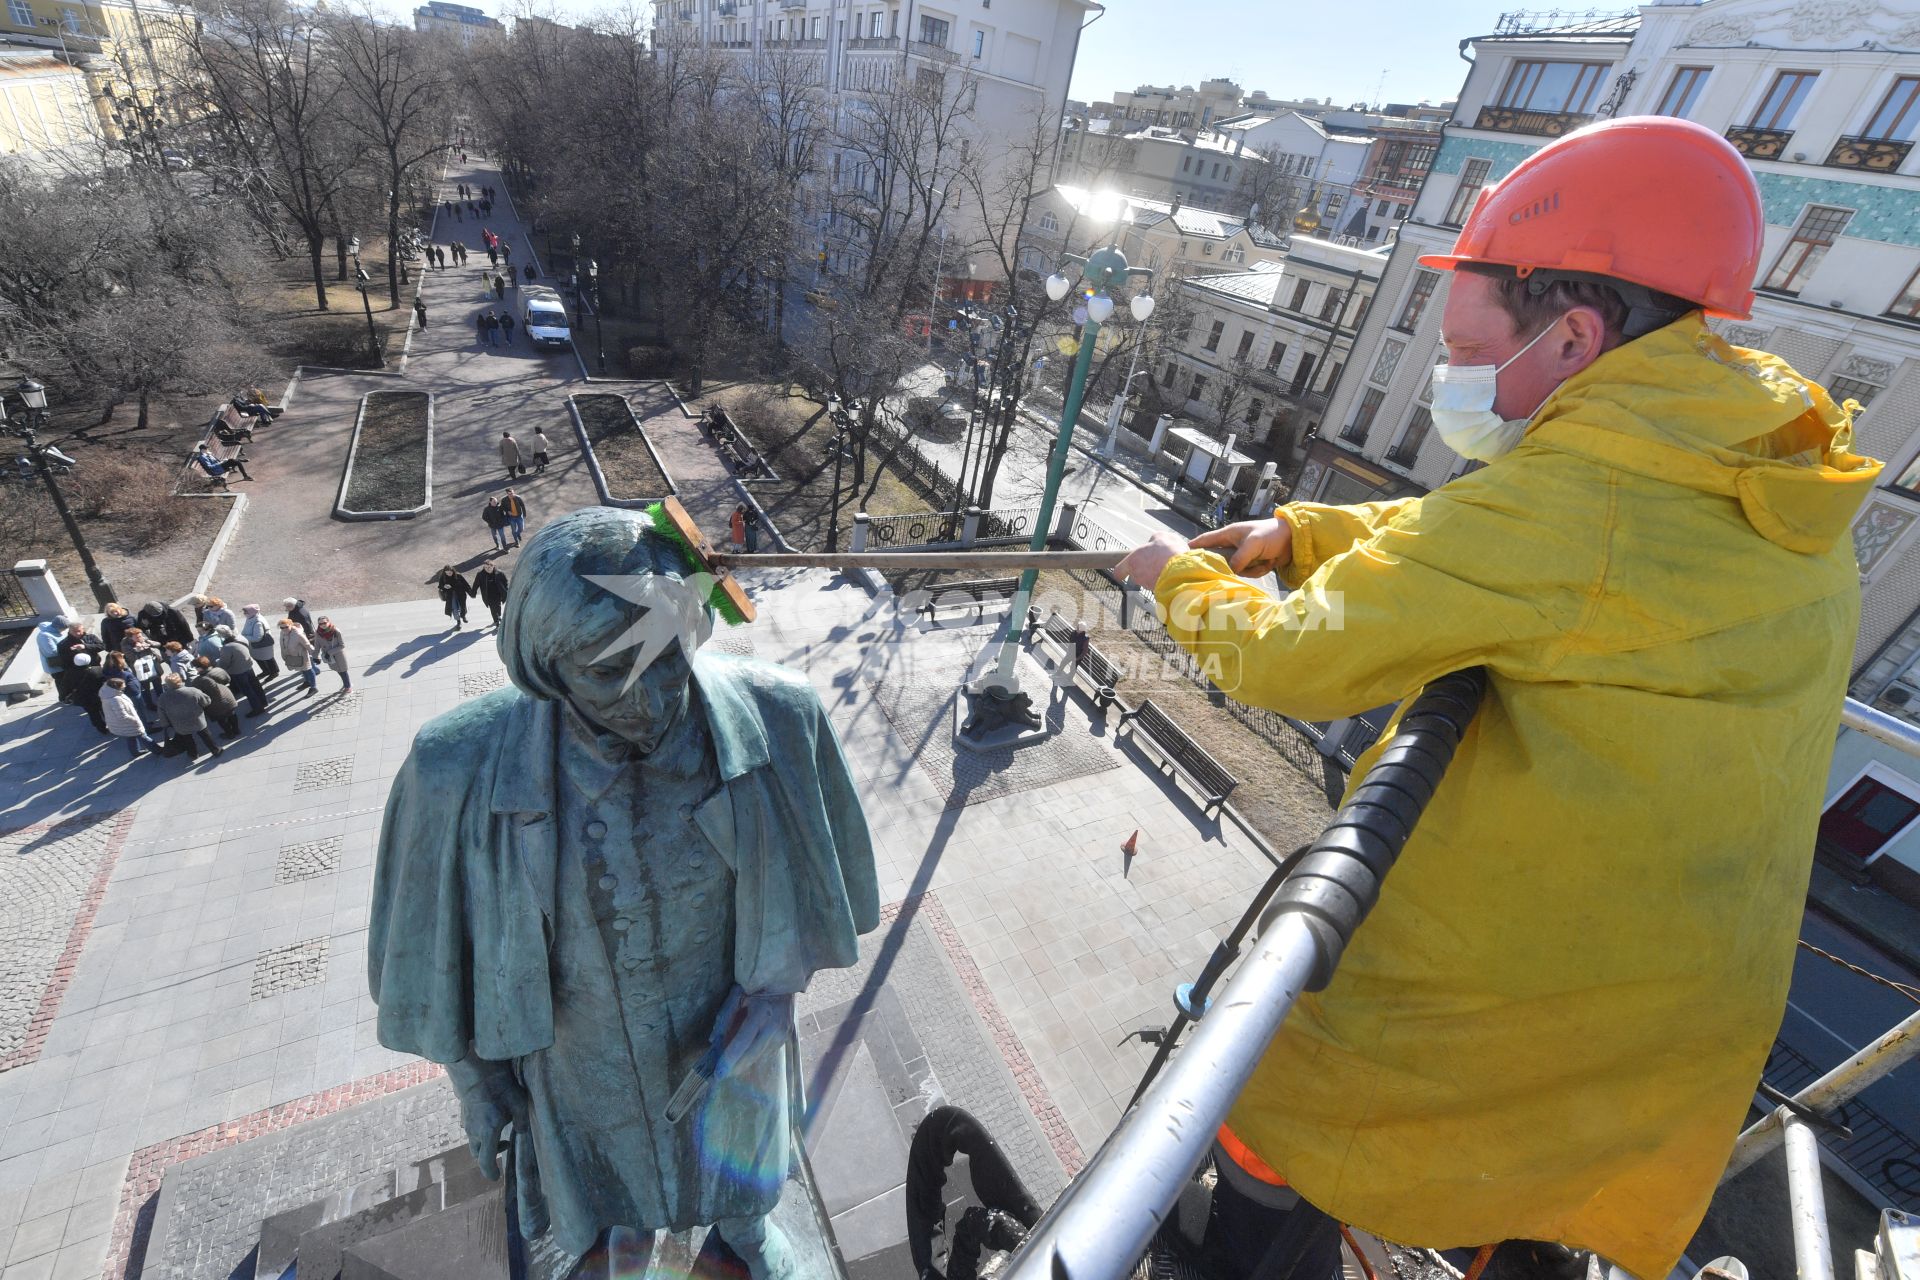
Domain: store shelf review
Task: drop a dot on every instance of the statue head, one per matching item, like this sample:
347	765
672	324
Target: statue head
601	615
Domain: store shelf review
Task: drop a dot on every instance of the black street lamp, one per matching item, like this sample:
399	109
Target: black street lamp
361	280
599	334
30	418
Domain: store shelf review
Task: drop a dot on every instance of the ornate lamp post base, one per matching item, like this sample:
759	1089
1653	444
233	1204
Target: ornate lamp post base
997	715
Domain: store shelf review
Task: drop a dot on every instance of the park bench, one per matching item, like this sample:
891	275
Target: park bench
978	593
1100	670
1182	753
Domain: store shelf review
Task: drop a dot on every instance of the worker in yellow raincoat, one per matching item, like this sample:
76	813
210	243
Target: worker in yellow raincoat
1550	1027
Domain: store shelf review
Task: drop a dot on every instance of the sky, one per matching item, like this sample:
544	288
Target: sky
1289	49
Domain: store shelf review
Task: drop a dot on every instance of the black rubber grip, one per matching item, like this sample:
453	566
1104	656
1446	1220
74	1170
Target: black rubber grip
1338	880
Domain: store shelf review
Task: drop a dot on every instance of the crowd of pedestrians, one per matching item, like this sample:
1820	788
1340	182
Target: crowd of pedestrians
162	681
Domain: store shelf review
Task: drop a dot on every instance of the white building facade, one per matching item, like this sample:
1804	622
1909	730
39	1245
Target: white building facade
1824	101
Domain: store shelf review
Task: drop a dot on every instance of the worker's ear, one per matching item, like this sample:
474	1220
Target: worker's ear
1583	340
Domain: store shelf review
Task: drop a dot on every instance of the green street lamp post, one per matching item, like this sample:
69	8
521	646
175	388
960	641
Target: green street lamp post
599	334
997	699
30	419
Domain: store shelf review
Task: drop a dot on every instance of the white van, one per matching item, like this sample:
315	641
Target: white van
543	318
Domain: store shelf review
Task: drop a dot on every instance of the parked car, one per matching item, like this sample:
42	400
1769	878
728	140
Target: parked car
823	300
543	318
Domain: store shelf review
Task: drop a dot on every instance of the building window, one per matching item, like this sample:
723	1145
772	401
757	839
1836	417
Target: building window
1424	283
1682	93
874	26
1401	211
1868	816
1172	369
1335	199
1782	103
933	31
816	28
1408	446
1216	171
1048	222
1303	376
1234	253
70	19
1908	303
1380	210
1253	412
1819	227
1199	386
1473	176
979	43
1213	336
1552	86
1845	389
1186	164
1246	345
21	11
1299	302
1363	417
1330	306
1899	112
1275	356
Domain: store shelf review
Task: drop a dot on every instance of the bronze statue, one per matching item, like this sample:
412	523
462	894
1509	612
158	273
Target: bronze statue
599	890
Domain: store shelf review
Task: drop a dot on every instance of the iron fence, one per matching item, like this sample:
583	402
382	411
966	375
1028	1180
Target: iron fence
920	529
15	609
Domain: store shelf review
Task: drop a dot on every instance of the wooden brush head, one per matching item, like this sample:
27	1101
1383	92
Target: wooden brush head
674	522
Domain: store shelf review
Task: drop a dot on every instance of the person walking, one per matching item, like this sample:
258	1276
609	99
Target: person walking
515	511
540	447
751	519
496	521
480	325
500	287
236	659
510	454
493	255
185	711
506	326
297	652
459	214
531	272
454	591
331	647
420	309
492	321
222	707
737	528
259	638
1654	576
490	588
123	718
506	255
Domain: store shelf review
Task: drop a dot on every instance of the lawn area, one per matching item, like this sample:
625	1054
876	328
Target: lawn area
620	447
792	432
388	459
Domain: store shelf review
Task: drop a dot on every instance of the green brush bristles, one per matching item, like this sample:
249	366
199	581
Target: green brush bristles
717	598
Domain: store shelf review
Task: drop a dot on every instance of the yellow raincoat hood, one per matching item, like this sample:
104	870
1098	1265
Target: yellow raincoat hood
1551	1025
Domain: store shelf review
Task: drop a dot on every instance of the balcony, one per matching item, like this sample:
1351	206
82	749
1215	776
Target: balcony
1354	434
927	49
1401	456
1544	124
1875	155
868	44
1759	144
797	42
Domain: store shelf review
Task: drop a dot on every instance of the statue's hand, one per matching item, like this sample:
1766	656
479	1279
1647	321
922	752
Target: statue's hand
747	1021
490	1100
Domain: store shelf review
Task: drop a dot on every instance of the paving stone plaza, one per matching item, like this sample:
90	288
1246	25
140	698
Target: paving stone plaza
184	945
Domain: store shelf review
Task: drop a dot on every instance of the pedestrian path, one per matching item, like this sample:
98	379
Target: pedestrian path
290	543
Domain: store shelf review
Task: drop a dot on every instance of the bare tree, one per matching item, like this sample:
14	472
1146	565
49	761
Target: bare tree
400	90
275	106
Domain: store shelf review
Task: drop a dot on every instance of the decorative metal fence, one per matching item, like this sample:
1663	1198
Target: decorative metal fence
15	609
921	529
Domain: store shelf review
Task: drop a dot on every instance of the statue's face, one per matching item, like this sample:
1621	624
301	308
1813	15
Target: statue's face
601	685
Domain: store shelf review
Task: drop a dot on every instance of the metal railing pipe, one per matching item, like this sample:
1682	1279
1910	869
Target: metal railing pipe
1107	1216
1806	1199
1881	727
1895	1047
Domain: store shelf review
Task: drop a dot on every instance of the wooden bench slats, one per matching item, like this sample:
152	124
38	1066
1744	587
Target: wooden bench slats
1183	754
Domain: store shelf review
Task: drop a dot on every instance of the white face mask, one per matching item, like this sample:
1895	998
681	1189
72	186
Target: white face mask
1463	396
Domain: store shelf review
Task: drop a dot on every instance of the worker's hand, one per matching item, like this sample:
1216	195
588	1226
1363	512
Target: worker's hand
1253	548
1145	563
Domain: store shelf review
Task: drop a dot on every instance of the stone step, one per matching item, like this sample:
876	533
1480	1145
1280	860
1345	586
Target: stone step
443	1182
280	1234
465	1241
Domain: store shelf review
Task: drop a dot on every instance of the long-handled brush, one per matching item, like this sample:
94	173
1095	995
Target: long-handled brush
730	601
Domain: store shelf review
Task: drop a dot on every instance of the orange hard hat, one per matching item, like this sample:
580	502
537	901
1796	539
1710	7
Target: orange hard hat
1651	200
